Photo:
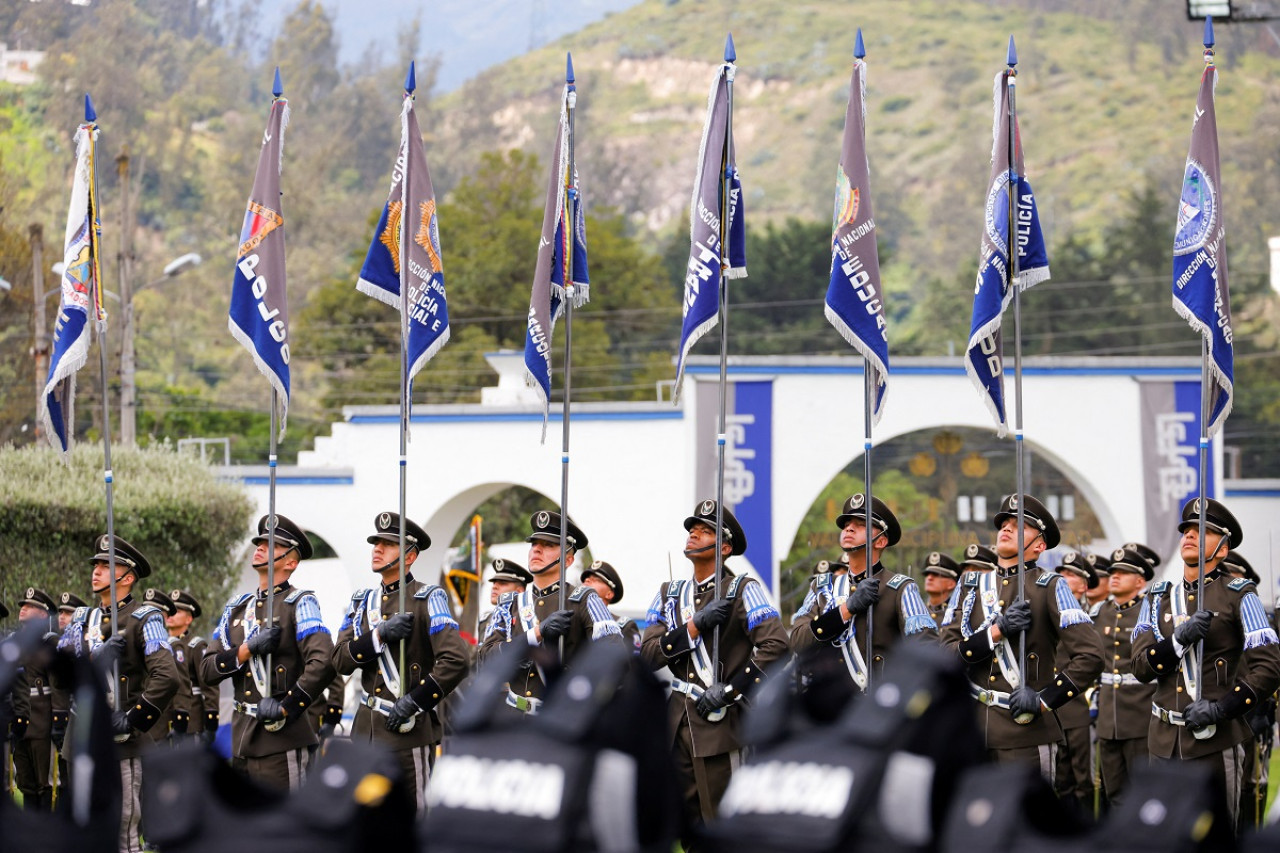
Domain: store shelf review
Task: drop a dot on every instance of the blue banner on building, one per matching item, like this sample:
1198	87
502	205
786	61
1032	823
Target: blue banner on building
1171	458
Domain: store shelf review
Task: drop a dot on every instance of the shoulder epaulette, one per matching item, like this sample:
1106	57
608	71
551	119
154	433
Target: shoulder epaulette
507	598
897	581
971	578
196	640
81	615
426	591
237	600
146	610
1046	578
1240	584
733	587
1160	588
578	594
358	597
296	594
674	588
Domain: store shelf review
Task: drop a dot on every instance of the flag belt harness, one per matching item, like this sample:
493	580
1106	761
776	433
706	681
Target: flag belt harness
1128	679
695	692
990	698
1166	716
251	709
524	704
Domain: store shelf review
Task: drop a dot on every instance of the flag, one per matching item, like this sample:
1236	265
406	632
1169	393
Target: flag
81	296
546	301
259	314
1200	294
855	304
406	251
984	356
706	259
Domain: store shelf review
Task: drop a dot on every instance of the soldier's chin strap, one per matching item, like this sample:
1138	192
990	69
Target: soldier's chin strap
266	563
1208	556
100	591
396	561
689	552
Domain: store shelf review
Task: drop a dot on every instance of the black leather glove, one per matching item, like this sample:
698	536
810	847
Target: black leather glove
1202	713
1194	629
556	625
120	723
58	729
1025	701
406	709
713	616
18	728
715	697
1015	619
269	709
863	596
1260	725
396	627
264	642
207	736
109	652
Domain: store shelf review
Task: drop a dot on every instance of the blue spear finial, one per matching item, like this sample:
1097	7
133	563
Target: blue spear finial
90	114
411	79
568	68
1012	59
277	88
730	55
1208	31
859	49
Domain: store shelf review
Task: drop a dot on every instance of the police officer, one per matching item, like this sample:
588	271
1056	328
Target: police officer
705	706
147	672
508	576
1124	702
534	612
408	659
270	740
1073	777
202	704
605	580
68	604
1212	661
839	618
1095	596
979	558
985	627
940	575
33	744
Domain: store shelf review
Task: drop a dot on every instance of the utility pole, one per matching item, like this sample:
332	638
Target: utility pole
128	386
35	234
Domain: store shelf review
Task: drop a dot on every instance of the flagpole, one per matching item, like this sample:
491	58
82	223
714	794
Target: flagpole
726	180
570	221
277	90
868	390
1012	268
108	476
410	84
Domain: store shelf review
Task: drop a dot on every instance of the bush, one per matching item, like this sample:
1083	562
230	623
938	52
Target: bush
169	505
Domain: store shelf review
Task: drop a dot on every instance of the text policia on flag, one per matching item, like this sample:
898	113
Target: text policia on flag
1200	292
259	315
998	274
854	303
406	250
707	234
546	300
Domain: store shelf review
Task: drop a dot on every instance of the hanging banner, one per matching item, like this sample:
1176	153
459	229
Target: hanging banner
1170	414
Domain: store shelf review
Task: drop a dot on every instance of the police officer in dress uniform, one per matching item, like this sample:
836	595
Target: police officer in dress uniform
834	614
148	673
203	704
1261	720
270	740
705	706
1096	596
1199	706
1073	777
605	580
176	722
68	604
508	576
534	614
984	632
940	576
32	729
398	709
1124	702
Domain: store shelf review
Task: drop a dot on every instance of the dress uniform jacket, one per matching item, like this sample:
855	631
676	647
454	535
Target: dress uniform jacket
204	708
1241	663
185	711
33	701
750	641
899	613
1061	633
301	668
1124	702
148	672
435	659
591	621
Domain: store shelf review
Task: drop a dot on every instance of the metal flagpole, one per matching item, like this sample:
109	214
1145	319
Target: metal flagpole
868	391
726	181
570	220
277	89
1207	731
108	476
1012	267
410	84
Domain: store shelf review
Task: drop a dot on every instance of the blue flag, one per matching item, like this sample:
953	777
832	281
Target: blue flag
984	357
1200	293
405	253
81	297
855	304
707	260
259	314
546	299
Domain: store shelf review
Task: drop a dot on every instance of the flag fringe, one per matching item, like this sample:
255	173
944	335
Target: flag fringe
422	360
368	288
1215	373
694	335
282	393
987	330
702	154
1030	278
879	368
532	382
284	124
